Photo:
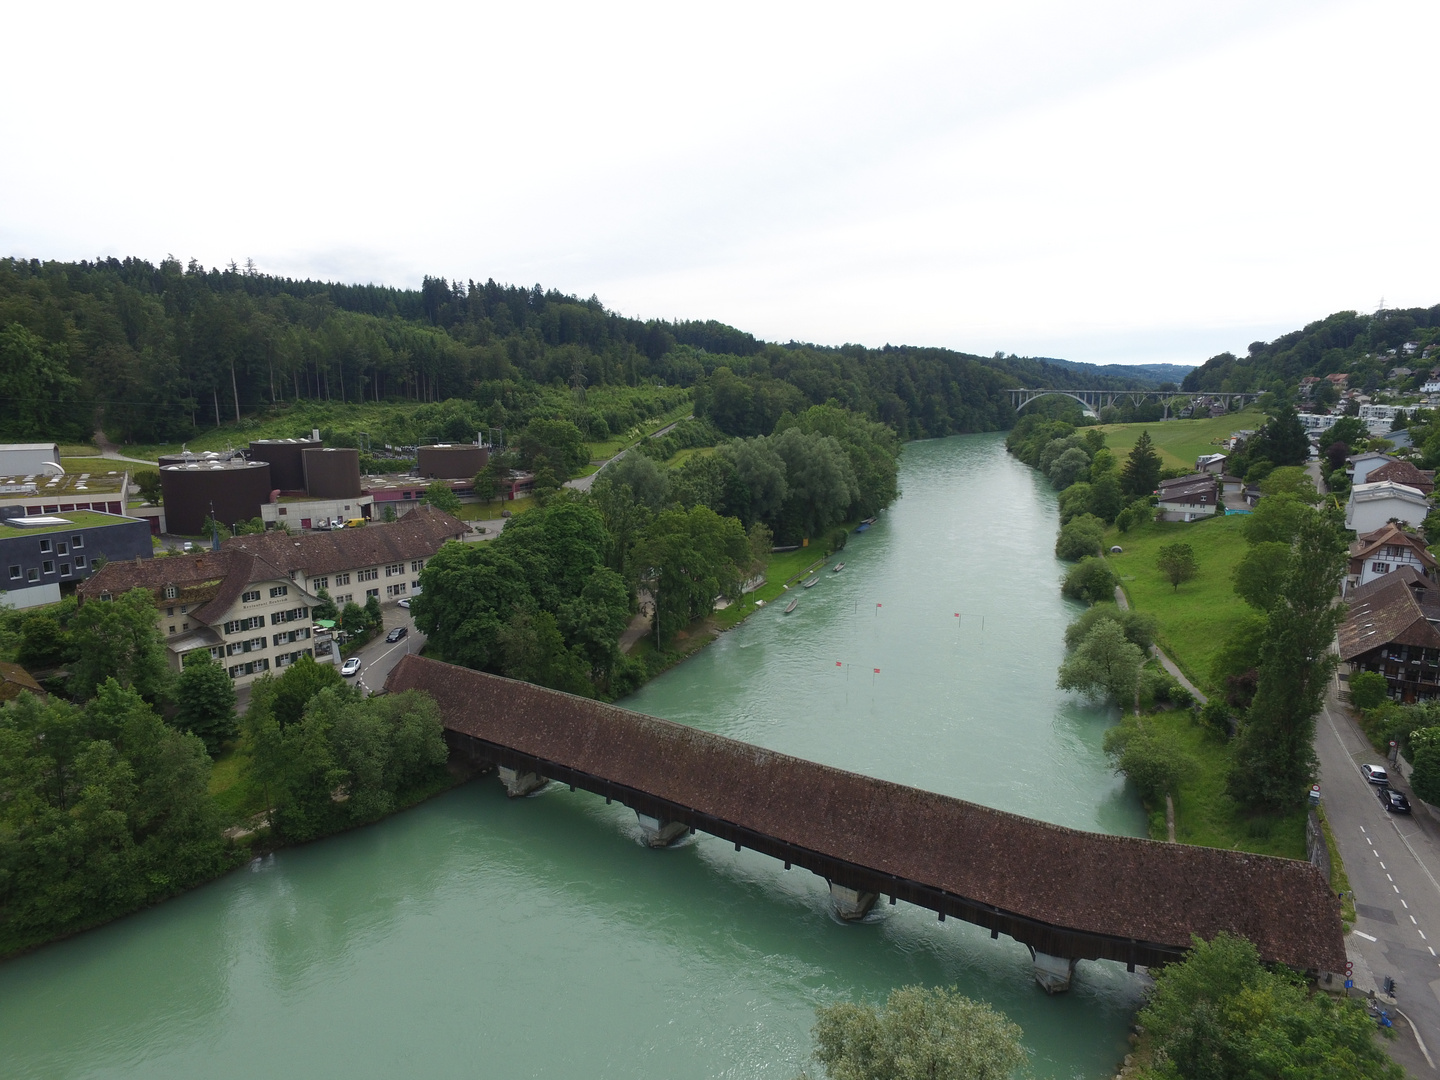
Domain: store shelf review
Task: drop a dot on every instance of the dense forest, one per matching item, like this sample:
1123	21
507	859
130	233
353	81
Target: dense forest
159	353
1366	347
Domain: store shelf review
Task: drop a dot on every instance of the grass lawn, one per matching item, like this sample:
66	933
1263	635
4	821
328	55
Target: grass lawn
1205	815
785	567
234	797
1195	618
483	511
695	451
603	451
99	465
1180	442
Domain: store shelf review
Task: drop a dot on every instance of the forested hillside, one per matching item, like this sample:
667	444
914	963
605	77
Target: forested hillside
1366	347
160	353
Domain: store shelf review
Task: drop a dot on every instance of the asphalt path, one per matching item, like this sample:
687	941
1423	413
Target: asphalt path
1393	861
379	658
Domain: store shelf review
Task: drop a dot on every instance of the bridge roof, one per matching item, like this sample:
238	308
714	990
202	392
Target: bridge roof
1111	885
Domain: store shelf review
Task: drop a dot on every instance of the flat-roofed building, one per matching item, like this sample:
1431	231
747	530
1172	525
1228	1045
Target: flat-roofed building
40	554
25	459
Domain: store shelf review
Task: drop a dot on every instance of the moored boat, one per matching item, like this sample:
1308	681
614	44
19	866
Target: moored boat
792	605
812	583
839	566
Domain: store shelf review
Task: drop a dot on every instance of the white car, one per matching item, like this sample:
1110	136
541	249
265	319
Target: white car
350	667
405	603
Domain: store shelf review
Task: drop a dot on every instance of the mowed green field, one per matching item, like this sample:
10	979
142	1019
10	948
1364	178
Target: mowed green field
1180	442
1195	618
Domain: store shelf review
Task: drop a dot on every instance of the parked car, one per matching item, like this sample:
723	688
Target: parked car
1376	774
396	634
350	667
405	603
1394	801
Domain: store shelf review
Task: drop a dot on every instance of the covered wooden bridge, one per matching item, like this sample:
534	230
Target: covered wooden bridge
1068	895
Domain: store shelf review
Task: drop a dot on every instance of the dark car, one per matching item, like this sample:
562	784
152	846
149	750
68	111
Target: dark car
1376	774
396	634
1394	801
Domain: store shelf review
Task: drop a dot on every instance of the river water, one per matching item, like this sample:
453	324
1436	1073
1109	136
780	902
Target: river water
477	937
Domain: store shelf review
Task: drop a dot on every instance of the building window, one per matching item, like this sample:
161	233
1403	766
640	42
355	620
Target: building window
395	569
171	592
395	590
367	575
251	596
319	583
62	548
372	592
283	511
279	590
1380	568
417	565
15	573
79	562
172	629
34	575
44	546
64	569
103	596
342	579
77	541
184	609
48	566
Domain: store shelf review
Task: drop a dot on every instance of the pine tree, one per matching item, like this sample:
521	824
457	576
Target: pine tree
1141	473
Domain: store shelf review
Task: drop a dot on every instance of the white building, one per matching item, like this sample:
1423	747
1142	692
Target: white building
1316	422
1366	461
1371	506
29	459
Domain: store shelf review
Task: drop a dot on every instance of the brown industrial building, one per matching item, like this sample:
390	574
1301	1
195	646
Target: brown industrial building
451	461
332	473
232	490
286	458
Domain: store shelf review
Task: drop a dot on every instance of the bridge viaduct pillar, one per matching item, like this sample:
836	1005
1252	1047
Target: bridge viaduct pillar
518	784
658	832
851	904
1053	973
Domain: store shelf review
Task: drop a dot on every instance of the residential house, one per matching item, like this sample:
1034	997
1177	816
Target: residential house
1338	380
1188	498
249	604
1384	551
1307	386
1372	505
15	680
1403	472
1359	465
1211	463
1391	630
41	553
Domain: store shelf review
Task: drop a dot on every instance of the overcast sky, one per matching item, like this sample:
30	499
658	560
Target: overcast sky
1113	181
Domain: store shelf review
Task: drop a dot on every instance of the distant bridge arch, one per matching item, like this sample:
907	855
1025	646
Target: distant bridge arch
1095	400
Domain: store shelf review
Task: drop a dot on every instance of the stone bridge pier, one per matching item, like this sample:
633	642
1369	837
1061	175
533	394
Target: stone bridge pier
1053	973
851	904
658	832
518	784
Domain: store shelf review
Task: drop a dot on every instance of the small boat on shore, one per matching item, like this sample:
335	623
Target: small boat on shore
838	567
792	605
812	583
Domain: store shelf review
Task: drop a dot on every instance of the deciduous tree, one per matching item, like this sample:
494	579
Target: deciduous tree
1177	563
1104	665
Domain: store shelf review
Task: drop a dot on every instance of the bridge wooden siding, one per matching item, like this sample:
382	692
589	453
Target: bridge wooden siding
1063	892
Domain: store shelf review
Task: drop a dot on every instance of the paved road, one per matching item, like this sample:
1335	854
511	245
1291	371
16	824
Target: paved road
380	657
1394	866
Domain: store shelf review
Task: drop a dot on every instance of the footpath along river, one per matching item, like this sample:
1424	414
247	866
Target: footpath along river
476	937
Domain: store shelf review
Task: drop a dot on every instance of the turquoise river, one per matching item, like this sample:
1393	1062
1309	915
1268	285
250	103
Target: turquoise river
477	937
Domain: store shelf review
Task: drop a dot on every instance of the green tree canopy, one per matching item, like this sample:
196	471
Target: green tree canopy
119	638
1177	563
1275	519
1260	574
1079	537
205	702
1138	626
1104	665
440	495
920	1033
1221	1013
1091	580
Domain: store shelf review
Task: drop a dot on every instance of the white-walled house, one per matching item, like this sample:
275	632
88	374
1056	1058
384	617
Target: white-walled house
1389	548
1372	506
1362	463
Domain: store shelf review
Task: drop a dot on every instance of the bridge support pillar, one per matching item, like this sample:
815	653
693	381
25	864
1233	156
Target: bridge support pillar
851	904
659	833
518	784
1053	973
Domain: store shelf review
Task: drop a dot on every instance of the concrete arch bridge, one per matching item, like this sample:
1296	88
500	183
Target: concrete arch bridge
1095	400
1067	895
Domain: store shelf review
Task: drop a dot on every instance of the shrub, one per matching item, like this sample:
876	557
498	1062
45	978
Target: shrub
1081	536
1139	626
1090	580
1368	689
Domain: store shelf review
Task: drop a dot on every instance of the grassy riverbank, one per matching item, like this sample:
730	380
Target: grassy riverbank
1195	618
1180	442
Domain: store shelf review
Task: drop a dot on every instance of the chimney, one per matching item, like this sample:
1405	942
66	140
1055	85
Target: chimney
315	434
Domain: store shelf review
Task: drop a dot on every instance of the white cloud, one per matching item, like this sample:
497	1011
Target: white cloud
1117	181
